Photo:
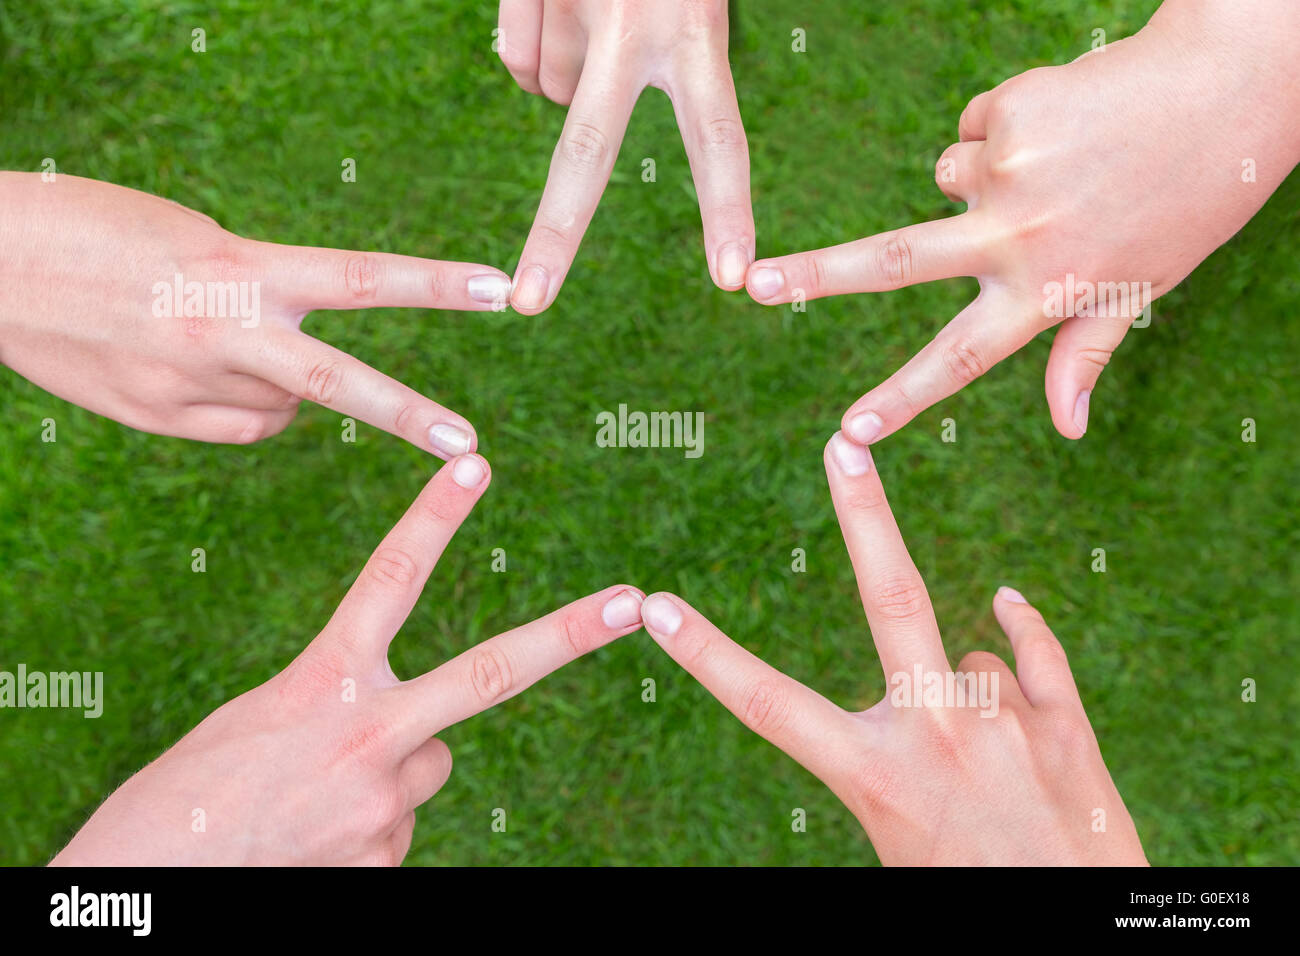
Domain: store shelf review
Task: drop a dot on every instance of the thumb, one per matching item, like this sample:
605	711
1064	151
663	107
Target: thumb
1081	349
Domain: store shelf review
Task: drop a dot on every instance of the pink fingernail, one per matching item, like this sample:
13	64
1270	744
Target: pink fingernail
623	610
1081	411
852	459
449	440
766	282
661	615
733	261
488	288
531	287
468	472
865	427
1012	595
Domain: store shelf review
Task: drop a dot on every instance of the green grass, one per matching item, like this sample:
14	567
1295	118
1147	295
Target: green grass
96	530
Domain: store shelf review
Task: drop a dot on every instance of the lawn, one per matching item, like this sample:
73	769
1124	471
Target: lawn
1200	528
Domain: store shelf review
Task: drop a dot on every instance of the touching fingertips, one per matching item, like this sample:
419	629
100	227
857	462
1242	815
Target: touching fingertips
661	615
851	458
531	287
1081	411
469	471
488	288
449	439
1012	595
865	427
622	610
733	263
765	282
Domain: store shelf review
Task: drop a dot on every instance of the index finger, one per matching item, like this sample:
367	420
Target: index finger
893	595
320	373
307	278
801	722
924	252
580	167
381	598
505	665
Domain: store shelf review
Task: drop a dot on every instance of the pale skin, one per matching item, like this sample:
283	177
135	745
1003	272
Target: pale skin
596	56
933	784
326	763
1132	164
82	263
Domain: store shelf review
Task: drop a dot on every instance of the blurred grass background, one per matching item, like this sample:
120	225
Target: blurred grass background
1200	529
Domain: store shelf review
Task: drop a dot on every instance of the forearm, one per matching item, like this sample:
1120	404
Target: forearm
1248	51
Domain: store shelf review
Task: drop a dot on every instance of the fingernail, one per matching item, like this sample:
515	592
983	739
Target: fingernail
623	610
766	282
530	288
865	427
1081	411
488	288
853	459
468	472
1012	595
733	261
661	615
449	440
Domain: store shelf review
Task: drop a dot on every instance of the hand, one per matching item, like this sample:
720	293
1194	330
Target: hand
326	763
596	56
1129	165
1010	774
90	313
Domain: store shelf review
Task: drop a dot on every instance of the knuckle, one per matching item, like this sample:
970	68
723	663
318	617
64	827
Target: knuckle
894	261
490	675
584	147
436	283
324	381
692	646
556	86
872	787
439	507
311	676
818	276
577	638
516	58
901	599
766	707
866	501
406	417
963	361
385	805
392	568
364	742
1048	651
227	263
551	236
1071	736
723	136
1099	358
361	275
255	428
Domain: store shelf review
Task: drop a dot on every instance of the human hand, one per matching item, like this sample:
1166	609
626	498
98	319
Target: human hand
1128	166
90	314
325	763
596	56
1001	768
